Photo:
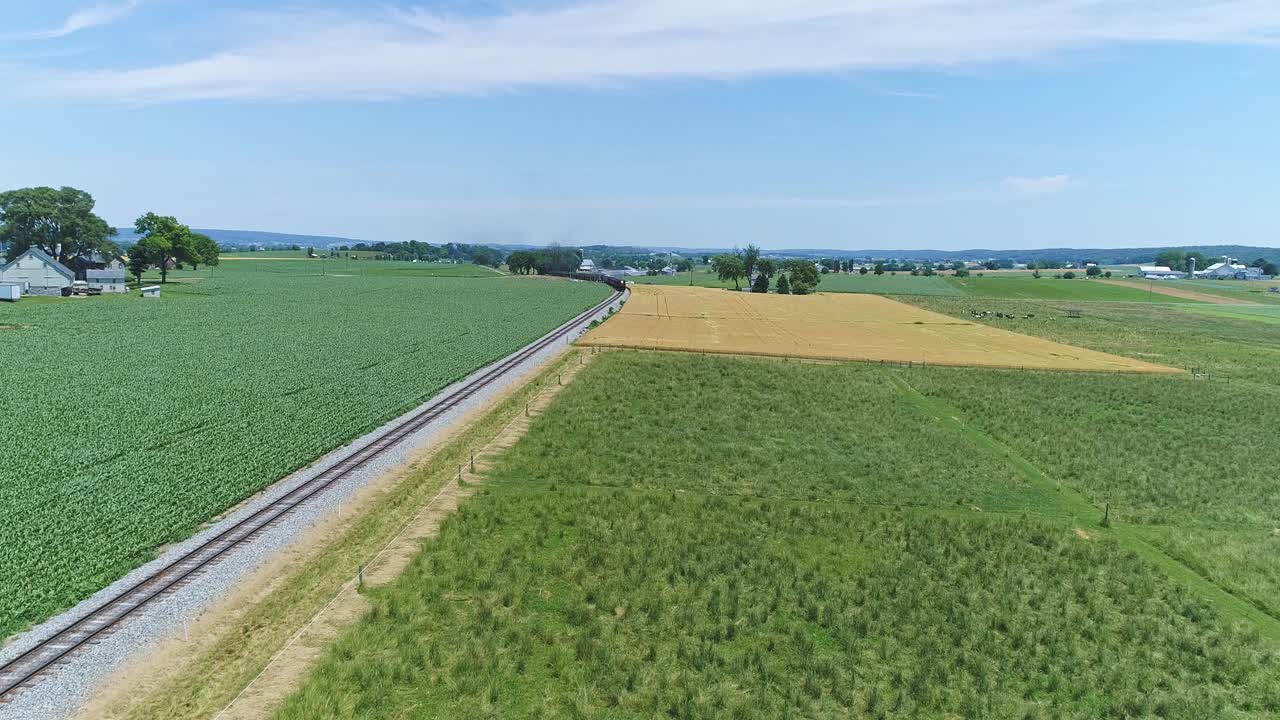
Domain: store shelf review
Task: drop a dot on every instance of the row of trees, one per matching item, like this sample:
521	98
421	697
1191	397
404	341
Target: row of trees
62	223
795	277
550	259
425	252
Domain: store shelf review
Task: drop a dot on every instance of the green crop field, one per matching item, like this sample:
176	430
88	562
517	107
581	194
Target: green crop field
132	421
1242	290
757	538
1015	286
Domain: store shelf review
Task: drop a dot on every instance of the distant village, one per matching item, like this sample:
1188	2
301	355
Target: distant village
1228	269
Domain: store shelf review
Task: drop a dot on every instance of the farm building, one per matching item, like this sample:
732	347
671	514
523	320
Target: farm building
151	291
37	273
10	292
1222	270
83	264
108	281
1159	272
1231	269
587	266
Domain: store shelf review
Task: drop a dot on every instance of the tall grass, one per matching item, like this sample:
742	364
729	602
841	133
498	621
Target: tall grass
589	602
759	427
717	537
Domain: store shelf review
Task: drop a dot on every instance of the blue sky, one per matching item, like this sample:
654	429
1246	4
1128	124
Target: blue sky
789	123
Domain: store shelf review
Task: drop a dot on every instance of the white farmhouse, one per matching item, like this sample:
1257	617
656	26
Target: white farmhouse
110	280
37	273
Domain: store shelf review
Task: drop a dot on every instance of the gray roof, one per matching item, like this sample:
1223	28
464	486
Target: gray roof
39	254
104	274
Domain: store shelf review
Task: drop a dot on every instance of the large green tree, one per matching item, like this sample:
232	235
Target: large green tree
60	222
197	249
804	276
729	267
521	262
766	267
1173	259
163	239
784	286
750	257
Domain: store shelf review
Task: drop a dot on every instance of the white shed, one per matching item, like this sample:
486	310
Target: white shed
151	291
10	292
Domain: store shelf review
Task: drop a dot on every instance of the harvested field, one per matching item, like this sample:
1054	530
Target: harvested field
833	327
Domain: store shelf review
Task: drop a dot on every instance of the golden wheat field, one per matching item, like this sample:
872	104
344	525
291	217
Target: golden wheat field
836	326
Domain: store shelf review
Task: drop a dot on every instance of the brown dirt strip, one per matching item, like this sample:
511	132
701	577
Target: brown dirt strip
1178	292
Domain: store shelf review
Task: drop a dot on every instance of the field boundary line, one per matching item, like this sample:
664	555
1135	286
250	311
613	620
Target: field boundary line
1224	600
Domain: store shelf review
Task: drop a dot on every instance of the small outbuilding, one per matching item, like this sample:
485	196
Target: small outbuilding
1159	272
107	281
10	292
151	291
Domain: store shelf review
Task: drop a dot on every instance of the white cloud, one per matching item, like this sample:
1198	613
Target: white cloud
102	13
1045	185
375	53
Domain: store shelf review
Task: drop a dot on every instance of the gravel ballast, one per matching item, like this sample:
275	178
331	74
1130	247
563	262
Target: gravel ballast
59	694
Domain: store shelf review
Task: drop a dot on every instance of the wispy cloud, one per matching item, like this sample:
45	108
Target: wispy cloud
910	94
1044	185
377	53
102	13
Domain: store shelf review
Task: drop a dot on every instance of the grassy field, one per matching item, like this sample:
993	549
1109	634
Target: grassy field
1174	452
1231	347
1258	313
755	538
1049	288
1250	290
1004	285
140	419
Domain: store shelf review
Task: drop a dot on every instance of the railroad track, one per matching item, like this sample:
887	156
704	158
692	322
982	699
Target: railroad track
26	669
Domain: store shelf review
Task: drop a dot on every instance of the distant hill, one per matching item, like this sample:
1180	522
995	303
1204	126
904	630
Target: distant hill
1114	256
245	238
1103	256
